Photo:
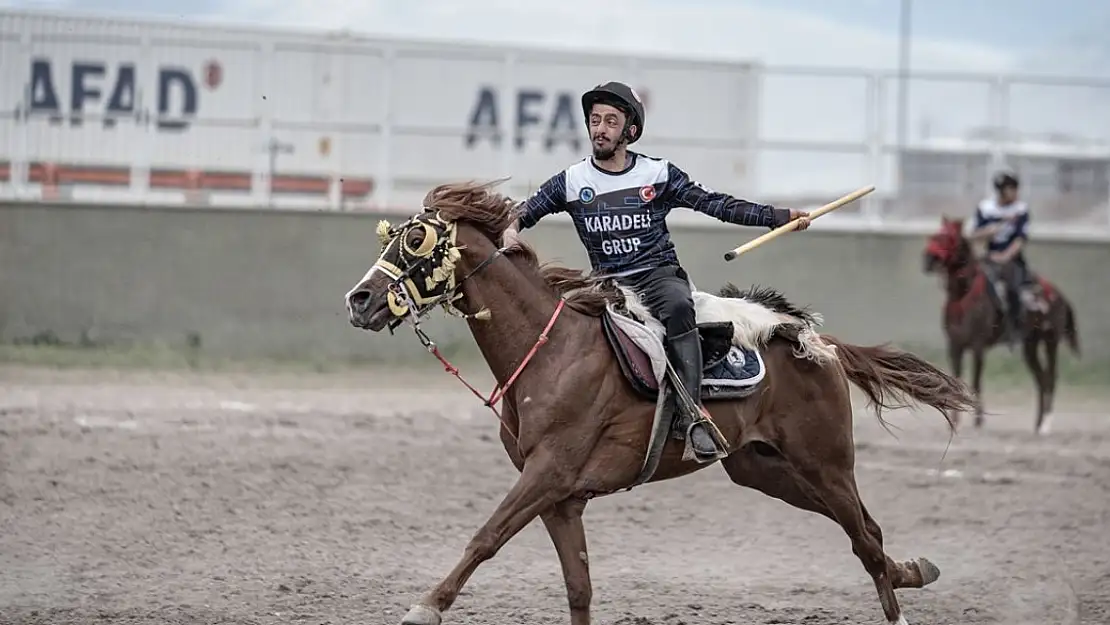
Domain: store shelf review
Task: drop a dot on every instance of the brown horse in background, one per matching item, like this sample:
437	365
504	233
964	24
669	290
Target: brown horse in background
974	317
574	423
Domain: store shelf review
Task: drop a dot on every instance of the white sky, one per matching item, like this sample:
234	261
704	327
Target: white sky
789	32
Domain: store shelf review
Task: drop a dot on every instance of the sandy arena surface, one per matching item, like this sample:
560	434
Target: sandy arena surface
174	499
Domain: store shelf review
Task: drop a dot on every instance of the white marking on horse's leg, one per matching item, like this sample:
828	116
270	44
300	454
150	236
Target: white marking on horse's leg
901	620
1046	424
422	615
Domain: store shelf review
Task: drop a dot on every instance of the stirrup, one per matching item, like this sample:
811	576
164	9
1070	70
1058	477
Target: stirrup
690	410
719	449
716	438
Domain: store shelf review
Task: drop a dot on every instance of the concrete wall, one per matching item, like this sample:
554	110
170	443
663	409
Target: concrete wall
271	283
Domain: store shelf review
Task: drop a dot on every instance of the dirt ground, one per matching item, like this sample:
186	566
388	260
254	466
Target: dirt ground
170	498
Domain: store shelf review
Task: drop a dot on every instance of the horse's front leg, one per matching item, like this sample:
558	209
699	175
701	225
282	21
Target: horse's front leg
564	525
541	484
977	362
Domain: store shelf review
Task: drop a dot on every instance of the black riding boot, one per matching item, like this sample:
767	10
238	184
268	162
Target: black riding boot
684	352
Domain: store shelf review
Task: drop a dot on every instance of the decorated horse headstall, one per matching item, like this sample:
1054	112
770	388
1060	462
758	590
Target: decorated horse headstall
419	257
944	245
942	252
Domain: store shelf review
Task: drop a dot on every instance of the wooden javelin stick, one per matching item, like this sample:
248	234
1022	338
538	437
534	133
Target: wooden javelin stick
793	225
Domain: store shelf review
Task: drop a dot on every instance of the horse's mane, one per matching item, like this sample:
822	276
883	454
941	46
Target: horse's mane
491	213
476	204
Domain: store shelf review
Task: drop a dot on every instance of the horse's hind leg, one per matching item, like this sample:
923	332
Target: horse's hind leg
758	466
779	483
912	574
837	488
1033	362
1051	348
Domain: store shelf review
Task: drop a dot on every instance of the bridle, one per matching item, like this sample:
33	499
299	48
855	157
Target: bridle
424	277
433	260
960	268
948	253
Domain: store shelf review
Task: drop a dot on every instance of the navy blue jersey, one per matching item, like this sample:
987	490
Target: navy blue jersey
1013	217
621	216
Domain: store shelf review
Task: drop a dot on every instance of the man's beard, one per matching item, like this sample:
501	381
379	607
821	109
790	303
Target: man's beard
605	153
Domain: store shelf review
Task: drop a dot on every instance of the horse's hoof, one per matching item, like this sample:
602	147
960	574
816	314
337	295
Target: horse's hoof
1046	425
929	571
422	615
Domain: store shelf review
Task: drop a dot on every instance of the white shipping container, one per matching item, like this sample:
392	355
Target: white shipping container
111	110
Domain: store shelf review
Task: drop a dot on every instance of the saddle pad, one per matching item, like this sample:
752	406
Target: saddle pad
740	368
646	340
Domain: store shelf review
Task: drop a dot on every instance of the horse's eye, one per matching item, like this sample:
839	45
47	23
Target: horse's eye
415	237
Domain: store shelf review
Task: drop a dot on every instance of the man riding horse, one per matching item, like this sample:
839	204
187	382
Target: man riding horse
1003	223
619	201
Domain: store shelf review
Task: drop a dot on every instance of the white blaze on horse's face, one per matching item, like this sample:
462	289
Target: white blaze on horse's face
362	285
365	281
366	301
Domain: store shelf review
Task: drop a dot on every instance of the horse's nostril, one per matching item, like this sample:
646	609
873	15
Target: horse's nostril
359	299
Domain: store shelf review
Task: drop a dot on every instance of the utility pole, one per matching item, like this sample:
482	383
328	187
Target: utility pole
905	38
274	147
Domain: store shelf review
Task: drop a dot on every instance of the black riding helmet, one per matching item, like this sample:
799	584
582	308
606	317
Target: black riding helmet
621	96
1005	179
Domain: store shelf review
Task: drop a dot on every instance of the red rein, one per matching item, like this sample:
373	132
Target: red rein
499	391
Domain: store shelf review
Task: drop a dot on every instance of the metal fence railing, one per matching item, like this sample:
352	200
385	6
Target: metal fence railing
824	132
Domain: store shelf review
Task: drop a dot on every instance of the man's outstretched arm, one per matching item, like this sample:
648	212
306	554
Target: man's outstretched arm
682	191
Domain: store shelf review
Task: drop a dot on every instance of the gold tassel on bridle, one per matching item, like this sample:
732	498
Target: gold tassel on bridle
444	273
383	232
482	315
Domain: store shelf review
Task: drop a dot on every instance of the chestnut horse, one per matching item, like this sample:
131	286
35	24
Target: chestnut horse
973	318
574	425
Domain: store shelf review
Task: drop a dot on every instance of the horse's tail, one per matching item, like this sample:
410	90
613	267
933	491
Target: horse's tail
891	378
1071	330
